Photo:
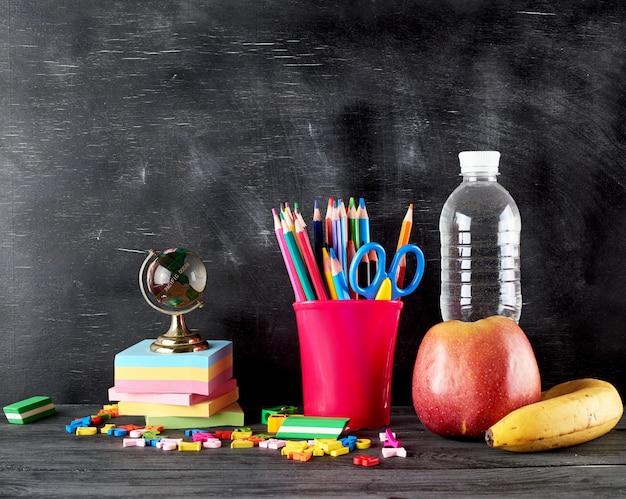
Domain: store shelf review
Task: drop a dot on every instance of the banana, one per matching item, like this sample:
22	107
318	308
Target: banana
567	414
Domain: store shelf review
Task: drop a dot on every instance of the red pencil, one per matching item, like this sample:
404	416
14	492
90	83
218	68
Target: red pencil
350	252
309	260
328	235
373	258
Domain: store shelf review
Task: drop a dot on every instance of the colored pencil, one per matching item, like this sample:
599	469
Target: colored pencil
297	217
309	260
405	231
384	291
364	223
291	269
373	258
318	235
364	271
405	234
328	274
353	224
318	267
336	233
339	278
288	214
328	235
290	239
343	225
350	252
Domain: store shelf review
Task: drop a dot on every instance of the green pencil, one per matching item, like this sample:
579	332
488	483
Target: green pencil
290	239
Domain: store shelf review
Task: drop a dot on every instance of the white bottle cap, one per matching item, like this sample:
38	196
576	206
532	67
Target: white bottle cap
479	162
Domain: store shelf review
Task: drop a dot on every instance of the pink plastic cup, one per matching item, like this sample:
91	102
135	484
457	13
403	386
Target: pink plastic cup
347	349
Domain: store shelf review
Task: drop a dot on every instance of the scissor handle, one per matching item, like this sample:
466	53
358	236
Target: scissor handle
397	292
370	290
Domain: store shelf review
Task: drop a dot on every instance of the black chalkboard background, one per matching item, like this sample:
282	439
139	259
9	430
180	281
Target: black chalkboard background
126	126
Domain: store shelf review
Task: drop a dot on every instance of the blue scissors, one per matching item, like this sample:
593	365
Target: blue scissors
371	290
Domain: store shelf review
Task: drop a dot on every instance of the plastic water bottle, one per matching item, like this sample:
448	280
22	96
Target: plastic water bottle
480	229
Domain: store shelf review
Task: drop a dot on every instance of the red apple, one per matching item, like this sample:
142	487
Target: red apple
469	375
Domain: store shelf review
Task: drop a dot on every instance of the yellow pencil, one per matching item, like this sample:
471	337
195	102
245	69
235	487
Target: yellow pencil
384	291
328	274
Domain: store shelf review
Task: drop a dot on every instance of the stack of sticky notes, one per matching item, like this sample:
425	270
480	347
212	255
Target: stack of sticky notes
179	390
29	410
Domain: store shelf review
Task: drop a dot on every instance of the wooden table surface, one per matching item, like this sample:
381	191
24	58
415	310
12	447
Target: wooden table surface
42	460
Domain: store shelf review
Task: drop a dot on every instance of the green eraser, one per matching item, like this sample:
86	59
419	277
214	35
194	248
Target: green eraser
306	427
281	409
29	410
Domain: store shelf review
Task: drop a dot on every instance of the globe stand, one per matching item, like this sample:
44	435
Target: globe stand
178	338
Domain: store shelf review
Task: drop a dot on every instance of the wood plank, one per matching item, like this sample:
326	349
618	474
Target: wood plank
304	479
42	459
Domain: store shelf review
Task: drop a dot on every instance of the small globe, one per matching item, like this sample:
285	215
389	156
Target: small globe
176	278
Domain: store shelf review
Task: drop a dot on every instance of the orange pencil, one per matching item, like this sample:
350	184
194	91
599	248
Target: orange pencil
309	260
405	231
405	234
